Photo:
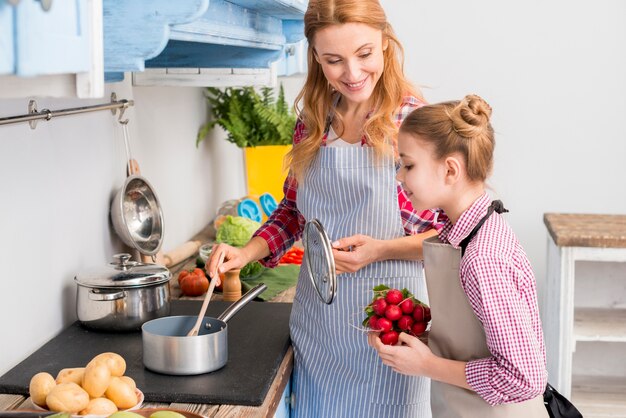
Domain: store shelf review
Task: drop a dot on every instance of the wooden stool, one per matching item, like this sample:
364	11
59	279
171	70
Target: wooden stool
578	237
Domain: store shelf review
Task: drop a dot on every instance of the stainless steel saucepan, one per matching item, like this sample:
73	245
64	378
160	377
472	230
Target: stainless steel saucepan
167	348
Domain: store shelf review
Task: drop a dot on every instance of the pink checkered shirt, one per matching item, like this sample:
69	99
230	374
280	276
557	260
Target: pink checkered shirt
500	286
286	223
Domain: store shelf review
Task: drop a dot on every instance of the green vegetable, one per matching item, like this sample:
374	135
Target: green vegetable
166	414
125	414
251	269
236	230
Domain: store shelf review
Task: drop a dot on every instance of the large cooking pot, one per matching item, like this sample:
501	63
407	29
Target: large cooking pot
167	348
123	295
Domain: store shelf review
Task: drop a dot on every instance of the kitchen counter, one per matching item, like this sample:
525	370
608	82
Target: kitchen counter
270	403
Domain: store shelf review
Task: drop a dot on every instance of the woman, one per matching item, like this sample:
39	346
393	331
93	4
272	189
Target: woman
342	172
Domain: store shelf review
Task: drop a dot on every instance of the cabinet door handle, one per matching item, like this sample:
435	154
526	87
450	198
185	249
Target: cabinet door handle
46	4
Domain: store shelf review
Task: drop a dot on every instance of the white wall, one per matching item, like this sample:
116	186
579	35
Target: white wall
555	74
56	185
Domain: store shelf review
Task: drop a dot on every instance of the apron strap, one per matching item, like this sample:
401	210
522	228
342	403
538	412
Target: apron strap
496	206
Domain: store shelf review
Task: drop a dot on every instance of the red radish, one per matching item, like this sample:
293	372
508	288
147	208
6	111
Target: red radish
373	322
389	338
393	312
384	324
418	328
407	306
418	312
427	316
394	296
379	306
405	322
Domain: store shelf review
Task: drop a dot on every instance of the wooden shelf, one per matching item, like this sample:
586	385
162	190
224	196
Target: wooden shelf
599	397
600	324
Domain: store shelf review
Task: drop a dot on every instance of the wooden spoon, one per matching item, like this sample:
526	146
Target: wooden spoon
205	304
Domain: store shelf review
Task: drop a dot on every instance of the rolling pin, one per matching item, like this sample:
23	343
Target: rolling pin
179	254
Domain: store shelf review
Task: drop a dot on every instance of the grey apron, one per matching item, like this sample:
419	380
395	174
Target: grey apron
336	373
457	334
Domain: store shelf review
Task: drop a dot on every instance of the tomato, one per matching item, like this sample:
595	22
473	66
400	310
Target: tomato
194	285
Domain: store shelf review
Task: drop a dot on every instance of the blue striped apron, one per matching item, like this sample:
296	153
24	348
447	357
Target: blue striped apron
336	373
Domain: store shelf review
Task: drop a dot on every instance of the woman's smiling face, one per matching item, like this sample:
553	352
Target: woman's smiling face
421	175
351	56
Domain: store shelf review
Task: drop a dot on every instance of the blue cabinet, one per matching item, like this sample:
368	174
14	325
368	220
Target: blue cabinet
7	57
34	41
284	407
198	35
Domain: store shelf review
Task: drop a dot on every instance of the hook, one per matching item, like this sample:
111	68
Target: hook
122	110
125	105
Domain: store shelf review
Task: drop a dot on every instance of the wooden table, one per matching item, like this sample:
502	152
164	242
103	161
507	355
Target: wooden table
573	238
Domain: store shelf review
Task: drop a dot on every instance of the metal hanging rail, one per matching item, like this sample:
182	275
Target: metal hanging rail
34	115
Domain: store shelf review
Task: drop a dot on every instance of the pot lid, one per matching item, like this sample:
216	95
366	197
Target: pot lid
319	259
123	272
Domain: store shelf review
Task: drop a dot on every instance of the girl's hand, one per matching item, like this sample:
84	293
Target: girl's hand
355	252
411	356
224	258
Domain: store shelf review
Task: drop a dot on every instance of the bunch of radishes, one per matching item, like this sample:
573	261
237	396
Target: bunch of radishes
393	311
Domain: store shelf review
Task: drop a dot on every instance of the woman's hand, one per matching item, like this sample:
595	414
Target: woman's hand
353	253
411	356
223	258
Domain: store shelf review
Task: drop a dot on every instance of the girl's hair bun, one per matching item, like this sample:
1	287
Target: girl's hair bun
470	118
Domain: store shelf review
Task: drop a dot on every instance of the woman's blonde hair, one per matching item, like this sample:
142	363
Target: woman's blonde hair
457	127
316	95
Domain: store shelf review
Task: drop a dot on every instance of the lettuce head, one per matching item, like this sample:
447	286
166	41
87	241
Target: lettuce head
236	230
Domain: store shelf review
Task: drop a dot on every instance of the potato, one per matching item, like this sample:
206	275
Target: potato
129	381
97	378
121	393
67	397
71	375
115	363
40	386
99	406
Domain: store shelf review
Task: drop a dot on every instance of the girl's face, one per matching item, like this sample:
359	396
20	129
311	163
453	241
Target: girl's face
422	176
351	57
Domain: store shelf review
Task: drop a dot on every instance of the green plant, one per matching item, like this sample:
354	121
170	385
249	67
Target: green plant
250	119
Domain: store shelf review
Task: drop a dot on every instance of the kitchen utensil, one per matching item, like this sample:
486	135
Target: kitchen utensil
123	295
207	298
136	212
167	348
320	263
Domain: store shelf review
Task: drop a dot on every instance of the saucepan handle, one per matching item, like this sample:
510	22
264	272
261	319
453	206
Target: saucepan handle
247	297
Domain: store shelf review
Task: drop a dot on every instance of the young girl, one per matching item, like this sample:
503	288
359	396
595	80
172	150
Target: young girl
485	349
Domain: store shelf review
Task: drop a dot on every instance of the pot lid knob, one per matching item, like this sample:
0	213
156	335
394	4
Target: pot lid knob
123	261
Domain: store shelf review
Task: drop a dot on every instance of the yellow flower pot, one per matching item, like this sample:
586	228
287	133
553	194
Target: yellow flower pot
264	170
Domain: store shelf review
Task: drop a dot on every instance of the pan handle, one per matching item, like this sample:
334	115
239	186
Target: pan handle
247	297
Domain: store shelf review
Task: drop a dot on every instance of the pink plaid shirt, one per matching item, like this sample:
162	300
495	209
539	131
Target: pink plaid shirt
500	286
286	223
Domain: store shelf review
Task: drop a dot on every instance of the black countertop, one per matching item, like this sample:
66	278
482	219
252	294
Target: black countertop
258	338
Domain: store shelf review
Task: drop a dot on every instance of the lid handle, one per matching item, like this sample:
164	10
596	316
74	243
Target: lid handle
122	260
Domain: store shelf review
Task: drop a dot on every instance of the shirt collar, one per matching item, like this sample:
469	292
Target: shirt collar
455	233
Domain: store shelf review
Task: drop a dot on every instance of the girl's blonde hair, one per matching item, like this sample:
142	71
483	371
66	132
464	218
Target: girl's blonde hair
316	95
457	127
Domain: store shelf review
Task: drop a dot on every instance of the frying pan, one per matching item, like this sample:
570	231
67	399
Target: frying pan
136	213
167	348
